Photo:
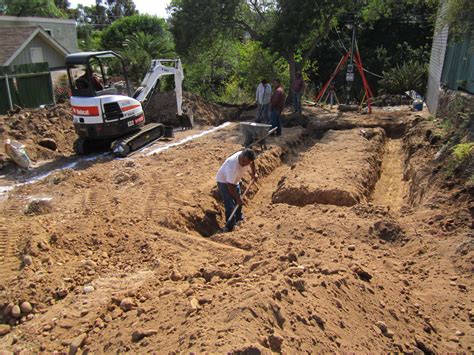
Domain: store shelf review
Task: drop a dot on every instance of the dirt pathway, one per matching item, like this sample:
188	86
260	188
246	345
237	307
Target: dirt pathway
390	189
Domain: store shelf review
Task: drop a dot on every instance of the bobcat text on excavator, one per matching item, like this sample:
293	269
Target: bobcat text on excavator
104	110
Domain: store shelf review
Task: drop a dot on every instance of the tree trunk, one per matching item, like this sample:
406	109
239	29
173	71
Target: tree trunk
294	66
290	58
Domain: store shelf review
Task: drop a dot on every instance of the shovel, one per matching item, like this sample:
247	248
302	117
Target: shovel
226	227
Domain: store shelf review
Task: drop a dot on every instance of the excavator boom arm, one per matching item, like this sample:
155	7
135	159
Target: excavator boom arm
156	71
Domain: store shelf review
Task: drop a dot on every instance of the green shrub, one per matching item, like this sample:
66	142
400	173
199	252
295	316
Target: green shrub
462	152
62	92
411	75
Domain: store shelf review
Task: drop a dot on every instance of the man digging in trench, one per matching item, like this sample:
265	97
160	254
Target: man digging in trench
228	182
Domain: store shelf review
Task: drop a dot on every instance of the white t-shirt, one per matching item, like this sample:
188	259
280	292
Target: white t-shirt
231	171
263	94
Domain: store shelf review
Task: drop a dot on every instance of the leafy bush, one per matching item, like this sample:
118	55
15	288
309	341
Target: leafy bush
411	75
462	152
62	92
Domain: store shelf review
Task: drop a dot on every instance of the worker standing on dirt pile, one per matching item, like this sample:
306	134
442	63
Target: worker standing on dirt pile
298	89
228	183
277	103
263	94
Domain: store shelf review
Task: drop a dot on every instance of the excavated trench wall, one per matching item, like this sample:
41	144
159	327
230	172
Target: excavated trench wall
208	221
341	169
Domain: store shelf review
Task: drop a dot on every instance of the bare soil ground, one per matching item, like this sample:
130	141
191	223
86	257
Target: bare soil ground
125	255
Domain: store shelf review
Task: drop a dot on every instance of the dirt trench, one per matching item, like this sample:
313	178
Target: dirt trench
291	278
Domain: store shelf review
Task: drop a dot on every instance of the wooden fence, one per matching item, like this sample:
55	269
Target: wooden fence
26	85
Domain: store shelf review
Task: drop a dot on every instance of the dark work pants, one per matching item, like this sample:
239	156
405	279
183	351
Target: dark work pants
229	204
275	121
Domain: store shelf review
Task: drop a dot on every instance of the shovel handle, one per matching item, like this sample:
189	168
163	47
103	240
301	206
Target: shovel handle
264	137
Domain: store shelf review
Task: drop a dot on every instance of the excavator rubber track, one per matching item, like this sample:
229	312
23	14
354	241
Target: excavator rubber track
148	133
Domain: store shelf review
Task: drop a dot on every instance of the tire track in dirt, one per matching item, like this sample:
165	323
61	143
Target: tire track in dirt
94	199
150	199
9	262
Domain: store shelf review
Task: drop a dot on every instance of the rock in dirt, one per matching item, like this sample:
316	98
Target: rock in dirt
363	275
126	304
275	342
4	329
299	284
48	143
387	230
194	303
27	260
88	289
248	350
175	275
26	307
294	271
348	108
38	207
77	343
384	329
8	309
139	334
382	326
16	311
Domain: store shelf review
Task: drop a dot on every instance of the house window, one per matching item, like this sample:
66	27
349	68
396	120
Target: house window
49	31
36	54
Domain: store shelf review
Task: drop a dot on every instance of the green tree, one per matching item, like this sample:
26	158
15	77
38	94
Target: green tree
290	28
104	12
390	33
459	16
45	8
139	38
140	48
115	35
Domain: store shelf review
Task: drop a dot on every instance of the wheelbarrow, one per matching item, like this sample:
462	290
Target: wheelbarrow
255	133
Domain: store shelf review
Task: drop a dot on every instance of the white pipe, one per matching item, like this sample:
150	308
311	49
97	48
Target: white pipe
187	139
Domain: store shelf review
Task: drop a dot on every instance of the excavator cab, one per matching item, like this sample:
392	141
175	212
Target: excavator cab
90	74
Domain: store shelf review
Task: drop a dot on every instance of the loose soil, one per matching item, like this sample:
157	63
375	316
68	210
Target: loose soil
48	133
391	189
128	256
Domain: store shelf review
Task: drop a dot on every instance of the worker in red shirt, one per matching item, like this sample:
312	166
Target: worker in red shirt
277	103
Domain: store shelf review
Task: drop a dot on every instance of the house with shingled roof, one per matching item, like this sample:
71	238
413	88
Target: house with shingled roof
30	44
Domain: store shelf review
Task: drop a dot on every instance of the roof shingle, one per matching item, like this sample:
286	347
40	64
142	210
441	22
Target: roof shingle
11	38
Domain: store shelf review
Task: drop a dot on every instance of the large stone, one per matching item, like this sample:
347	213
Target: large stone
139	334
126	304
4	329
26	307
27	260
387	230
16	312
77	343
48	143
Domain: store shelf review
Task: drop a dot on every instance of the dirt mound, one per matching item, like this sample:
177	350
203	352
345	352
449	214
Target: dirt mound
387	230
351	158
47	133
162	108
